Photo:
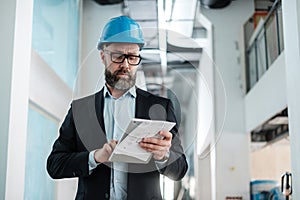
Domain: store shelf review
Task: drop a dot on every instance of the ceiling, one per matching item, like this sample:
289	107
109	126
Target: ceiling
171	30
167	30
275	127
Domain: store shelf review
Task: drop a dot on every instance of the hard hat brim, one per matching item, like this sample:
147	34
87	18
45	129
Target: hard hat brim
120	38
121	30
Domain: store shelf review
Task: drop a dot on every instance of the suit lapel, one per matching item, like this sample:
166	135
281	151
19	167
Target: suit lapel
141	104
99	104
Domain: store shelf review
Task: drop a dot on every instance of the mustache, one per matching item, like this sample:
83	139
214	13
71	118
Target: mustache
122	71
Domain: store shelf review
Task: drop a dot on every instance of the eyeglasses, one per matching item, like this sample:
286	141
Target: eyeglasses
119	58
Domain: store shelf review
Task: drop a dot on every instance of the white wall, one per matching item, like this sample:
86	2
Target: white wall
231	153
15	63
271	161
203	177
205	180
47	90
268	96
291	25
7	16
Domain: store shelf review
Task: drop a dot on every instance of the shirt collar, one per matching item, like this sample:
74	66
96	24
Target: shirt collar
131	91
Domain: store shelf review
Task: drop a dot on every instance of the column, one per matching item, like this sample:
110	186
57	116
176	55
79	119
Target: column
16	23
7	16
230	170
291	29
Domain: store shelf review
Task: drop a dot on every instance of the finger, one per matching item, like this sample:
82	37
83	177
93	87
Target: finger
159	142
113	143
166	135
152	140
107	148
152	147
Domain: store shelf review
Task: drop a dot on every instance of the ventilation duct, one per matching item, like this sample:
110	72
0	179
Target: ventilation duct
108	2
215	3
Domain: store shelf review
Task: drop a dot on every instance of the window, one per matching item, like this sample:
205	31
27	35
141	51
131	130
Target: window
55	36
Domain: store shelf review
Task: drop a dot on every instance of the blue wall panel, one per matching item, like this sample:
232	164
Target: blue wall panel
41	133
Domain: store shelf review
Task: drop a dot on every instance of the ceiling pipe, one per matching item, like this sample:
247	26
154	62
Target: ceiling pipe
181	26
108	2
215	3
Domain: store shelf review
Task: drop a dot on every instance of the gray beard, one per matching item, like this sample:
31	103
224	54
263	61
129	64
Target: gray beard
119	83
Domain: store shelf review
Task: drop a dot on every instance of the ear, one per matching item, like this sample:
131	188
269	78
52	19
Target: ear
102	56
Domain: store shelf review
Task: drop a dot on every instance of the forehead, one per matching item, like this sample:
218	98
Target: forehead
124	47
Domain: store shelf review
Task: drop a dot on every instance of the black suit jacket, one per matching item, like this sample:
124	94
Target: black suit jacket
69	156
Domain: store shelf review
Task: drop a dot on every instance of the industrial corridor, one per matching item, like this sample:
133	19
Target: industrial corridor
221	77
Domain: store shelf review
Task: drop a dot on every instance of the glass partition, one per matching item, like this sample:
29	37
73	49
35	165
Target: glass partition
266	46
55	36
261	54
41	132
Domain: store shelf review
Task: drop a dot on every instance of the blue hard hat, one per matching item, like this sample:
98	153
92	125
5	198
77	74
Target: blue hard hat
121	29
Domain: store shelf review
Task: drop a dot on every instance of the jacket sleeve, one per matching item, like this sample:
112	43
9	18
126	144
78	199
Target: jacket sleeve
177	165
65	159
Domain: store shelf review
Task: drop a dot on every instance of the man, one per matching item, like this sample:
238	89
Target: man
94	125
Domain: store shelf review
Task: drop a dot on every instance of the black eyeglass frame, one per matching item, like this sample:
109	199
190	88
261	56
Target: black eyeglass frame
123	57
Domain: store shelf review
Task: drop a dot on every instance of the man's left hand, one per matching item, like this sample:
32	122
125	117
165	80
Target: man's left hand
159	147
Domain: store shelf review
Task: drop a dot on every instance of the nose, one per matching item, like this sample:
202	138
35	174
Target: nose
125	64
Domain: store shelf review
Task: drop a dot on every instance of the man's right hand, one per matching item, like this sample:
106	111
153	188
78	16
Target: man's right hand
102	155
